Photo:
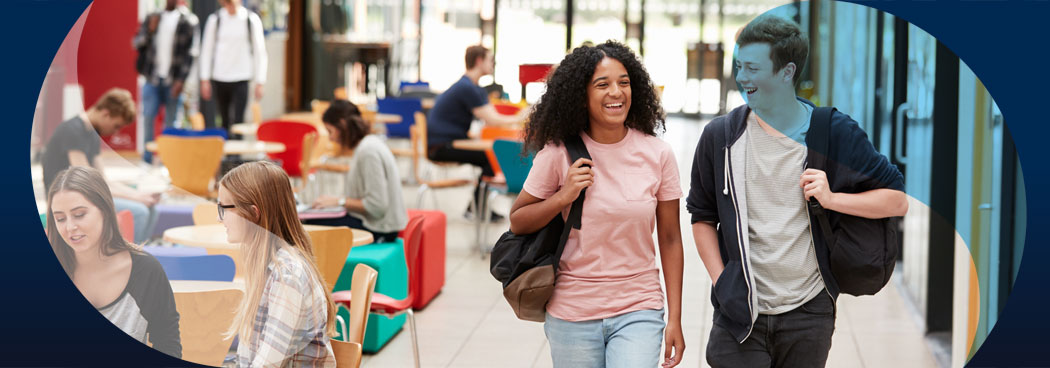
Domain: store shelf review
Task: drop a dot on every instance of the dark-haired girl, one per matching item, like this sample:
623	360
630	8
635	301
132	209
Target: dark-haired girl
608	307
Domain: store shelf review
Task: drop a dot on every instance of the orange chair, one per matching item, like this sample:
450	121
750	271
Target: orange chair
126	222
389	307
493	133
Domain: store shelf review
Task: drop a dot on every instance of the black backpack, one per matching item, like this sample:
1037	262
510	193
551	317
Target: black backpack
527	264
863	251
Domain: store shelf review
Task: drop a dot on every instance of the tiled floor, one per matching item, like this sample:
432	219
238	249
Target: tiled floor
470	325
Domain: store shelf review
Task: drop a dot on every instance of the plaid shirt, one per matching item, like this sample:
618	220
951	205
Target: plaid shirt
185	49
289	328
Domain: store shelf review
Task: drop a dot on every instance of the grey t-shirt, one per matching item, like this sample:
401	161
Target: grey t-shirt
782	252
71	135
374	178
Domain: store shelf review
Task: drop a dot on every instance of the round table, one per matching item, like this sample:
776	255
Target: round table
244	128
382	118
214	236
213	239
237	147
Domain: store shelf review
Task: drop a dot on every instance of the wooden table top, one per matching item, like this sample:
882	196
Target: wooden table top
238	147
473	144
191	286
214	236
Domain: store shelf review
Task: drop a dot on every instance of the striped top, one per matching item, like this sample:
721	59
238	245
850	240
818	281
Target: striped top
782	252
289	328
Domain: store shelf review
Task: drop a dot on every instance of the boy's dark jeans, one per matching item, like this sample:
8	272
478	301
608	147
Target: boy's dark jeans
799	338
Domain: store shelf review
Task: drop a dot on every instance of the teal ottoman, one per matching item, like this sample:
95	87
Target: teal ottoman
389	260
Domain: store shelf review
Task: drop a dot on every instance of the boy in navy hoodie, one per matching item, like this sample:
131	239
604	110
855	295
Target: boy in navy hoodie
773	291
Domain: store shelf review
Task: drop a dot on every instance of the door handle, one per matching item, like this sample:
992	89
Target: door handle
898	128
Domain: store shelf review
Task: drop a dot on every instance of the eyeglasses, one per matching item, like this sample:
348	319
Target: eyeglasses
222	209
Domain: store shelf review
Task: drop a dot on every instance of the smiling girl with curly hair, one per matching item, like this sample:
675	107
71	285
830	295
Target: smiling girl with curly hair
607	309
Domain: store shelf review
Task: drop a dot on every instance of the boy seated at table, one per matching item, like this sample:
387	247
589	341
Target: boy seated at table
78	142
455	110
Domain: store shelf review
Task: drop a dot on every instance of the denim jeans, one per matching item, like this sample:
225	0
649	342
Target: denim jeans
628	340
145	217
153	97
799	338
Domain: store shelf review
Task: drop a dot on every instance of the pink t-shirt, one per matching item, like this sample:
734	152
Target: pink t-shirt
608	267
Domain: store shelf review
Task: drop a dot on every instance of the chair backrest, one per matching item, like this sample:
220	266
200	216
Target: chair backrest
506	109
406	107
515	168
206	311
191	161
361	289
209	132
311	155
319	107
499	133
413	86
412	236
528	73
205	213
126	222
331	246
212	267
290	133
418	139
197	121
347	354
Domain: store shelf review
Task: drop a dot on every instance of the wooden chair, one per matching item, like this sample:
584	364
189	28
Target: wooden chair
419	153
348	352
256	113
205	213
331	245
197	121
192	162
206	311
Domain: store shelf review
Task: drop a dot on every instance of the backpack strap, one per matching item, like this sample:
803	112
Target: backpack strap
819	144
577	150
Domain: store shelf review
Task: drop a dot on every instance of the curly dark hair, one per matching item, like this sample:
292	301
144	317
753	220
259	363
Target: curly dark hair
562	111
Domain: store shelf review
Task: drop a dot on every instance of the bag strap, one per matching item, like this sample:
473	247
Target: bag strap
819	143
577	150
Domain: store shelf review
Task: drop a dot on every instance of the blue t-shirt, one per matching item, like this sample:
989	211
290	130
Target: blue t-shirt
454	111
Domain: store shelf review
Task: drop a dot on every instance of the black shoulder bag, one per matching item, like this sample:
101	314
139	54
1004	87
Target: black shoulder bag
527	264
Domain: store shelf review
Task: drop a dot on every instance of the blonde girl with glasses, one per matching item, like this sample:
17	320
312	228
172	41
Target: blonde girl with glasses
288	315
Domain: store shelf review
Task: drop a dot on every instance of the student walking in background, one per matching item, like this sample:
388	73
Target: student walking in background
233	55
167	45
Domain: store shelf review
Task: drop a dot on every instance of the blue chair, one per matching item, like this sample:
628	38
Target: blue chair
210	132
413	86
515	169
213	267
406	108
